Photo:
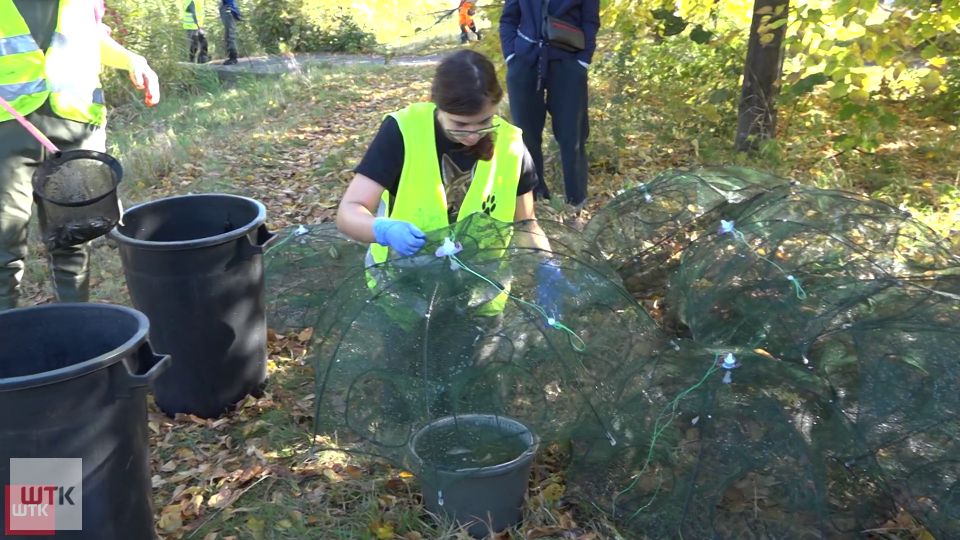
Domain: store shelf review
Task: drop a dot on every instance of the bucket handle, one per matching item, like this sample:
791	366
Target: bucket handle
143	357
264	239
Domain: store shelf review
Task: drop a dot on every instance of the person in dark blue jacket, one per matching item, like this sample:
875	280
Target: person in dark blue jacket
229	15
542	77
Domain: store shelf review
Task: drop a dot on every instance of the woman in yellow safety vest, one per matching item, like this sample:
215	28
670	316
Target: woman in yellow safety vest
435	163
51	52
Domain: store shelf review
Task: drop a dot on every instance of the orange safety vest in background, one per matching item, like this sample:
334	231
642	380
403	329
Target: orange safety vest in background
465	9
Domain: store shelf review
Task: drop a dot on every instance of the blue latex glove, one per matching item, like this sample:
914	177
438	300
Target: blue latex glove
405	238
551	288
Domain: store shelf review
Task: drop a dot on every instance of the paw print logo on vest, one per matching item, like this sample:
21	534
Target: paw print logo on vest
489	206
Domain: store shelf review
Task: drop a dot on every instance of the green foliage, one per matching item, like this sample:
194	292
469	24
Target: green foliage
301	26
855	51
703	81
947	104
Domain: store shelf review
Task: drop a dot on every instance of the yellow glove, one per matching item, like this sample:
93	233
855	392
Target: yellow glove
114	55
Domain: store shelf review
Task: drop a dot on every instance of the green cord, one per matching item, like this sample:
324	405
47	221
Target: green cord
801	294
282	242
657	431
556	324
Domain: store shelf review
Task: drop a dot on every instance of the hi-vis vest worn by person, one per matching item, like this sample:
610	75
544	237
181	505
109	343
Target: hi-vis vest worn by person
68	73
421	198
189	23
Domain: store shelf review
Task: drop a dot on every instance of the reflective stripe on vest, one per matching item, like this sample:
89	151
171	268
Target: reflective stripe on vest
10	92
421	197
17	45
67	74
189	23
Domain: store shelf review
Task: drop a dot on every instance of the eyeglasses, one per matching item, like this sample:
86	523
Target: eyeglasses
464	133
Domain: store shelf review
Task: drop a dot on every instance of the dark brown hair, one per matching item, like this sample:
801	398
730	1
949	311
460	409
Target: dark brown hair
464	84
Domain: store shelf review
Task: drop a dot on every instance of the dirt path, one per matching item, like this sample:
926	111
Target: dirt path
265	66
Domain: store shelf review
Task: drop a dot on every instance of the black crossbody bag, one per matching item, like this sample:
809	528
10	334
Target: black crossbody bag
561	34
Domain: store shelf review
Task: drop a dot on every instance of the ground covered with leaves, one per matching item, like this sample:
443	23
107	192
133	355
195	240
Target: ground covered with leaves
291	143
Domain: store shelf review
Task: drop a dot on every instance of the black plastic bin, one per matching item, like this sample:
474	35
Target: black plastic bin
73	384
194	266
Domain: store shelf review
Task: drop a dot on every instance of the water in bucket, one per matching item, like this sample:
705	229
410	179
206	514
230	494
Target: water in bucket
469	446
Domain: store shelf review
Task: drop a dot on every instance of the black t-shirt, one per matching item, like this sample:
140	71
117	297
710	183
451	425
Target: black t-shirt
383	164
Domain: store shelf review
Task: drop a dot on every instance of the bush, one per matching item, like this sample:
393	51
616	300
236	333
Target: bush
295	26
946	105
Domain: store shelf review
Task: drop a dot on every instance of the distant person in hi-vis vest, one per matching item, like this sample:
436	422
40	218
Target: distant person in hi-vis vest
431	165
51	52
192	20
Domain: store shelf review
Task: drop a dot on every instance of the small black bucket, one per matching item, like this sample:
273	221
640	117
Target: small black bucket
194	266
486	499
73	386
76	196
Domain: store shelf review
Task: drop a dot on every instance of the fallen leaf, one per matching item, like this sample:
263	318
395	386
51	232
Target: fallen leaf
552	493
352	471
255	526
332	476
764	353
306	334
170	518
385	532
394	483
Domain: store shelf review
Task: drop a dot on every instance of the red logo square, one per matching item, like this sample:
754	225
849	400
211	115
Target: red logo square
30	510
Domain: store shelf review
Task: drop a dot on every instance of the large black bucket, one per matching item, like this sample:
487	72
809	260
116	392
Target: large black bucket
73	385
194	266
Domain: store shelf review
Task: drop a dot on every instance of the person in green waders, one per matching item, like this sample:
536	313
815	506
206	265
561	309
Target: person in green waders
431	165
51	52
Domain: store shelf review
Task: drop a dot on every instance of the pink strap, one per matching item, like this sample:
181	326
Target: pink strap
98	11
30	127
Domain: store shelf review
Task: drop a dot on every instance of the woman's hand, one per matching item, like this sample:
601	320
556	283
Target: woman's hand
114	55
144	78
405	238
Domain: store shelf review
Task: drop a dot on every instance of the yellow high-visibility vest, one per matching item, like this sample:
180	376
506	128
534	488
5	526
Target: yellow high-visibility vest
189	23
421	197
68	73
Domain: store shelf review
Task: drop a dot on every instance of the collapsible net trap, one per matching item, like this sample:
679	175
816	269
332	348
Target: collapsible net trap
897	381
797	262
303	269
818	396
643	231
424	370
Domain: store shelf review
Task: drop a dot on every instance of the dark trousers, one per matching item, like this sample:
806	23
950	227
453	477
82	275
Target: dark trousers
20	154
564	95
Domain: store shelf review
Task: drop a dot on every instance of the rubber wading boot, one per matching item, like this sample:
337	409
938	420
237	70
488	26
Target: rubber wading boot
72	289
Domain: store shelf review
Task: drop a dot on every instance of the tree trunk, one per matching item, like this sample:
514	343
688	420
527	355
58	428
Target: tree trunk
757	119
